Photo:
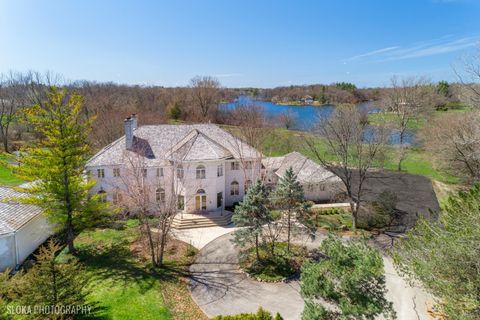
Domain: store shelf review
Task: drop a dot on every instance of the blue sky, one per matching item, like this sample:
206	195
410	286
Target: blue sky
263	43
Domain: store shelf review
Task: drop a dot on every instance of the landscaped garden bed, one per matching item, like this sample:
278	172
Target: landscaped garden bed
273	268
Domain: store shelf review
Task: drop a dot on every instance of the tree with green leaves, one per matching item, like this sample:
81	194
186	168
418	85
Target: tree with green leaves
289	197
350	279
252	213
444	255
50	282
56	164
260	315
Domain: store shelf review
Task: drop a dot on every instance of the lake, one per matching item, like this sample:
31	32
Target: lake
307	116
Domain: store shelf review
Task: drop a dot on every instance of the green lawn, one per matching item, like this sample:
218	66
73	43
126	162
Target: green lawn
282	141
7	178
122	284
415	123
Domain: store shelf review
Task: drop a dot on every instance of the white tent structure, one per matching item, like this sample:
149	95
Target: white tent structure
22	229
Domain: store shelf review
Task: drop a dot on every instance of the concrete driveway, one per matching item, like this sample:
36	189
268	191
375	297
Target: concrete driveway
219	287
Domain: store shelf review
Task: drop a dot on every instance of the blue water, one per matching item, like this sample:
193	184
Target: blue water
306	117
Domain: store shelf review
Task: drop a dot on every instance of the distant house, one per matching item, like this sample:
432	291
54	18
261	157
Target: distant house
307	99
23	228
200	167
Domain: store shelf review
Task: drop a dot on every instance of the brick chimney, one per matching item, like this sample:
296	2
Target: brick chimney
129	125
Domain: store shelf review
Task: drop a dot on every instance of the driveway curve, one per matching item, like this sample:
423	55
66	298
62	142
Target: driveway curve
219	287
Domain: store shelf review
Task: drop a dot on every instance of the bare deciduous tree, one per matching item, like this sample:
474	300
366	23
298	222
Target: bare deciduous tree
341	144
151	194
455	142
205	94
407	99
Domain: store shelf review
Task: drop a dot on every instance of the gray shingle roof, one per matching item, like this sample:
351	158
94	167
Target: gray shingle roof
307	171
191	142
14	215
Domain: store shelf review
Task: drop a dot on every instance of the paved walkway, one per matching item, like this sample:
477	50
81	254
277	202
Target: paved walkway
200	237
219	287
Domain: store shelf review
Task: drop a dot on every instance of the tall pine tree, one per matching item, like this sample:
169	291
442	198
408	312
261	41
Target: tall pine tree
56	163
252	213
289	197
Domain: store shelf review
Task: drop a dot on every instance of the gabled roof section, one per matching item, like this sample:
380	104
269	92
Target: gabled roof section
14	215
307	171
197	146
193	141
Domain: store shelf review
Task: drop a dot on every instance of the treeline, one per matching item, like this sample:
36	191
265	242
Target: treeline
344	92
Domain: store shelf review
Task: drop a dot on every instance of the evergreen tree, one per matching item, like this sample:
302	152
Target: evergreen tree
252	213
50	283
56	162
351	278
289	197
444	255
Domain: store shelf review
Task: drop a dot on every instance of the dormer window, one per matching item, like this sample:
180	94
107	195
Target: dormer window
101	173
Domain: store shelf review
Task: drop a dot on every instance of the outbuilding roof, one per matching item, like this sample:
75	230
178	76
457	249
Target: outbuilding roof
165	142
14	215
307	171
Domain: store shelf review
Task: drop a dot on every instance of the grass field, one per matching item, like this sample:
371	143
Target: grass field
282	141
7	178
122	284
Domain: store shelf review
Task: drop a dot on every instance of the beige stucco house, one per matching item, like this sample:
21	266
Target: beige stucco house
201	167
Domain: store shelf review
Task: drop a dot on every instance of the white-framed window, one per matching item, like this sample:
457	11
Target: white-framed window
248	184
159	172
234	165
180	202
248	164
200	172
180	172
116	172
234	188
102	195
220	170
219	199
101	173
160	195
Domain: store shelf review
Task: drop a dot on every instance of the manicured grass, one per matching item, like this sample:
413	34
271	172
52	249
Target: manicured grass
121	283
281	141
333	221
415	123
7	178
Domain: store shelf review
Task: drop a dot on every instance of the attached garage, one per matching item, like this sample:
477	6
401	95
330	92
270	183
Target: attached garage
22	229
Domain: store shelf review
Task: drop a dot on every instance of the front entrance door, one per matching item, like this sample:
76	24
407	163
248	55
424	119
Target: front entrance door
201	202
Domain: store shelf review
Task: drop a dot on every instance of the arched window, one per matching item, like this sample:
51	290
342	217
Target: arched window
234	188
102	195
248	184
201	172
180	171
201	200
160	195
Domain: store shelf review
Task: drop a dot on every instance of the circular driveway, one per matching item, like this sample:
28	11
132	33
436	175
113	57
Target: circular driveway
219	287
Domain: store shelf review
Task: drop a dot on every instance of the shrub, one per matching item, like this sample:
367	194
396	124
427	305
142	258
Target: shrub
260	315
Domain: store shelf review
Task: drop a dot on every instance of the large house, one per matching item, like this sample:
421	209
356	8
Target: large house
199	167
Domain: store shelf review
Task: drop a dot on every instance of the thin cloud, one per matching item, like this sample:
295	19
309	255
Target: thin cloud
423	49
372	53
